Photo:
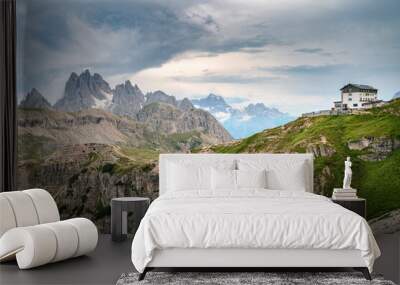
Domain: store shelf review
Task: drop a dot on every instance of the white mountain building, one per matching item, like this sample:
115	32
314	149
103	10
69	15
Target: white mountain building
357	96
354	98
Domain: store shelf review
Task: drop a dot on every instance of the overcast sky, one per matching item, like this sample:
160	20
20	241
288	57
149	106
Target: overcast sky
294	55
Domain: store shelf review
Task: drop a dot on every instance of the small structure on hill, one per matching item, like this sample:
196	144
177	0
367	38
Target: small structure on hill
357	96
354	99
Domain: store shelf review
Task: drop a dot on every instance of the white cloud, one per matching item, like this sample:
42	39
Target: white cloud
245	118
222	116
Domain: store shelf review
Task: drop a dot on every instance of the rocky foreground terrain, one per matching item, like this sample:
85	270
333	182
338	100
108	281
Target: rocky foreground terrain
372	139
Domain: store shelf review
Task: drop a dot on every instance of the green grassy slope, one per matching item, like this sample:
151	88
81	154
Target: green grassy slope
378	181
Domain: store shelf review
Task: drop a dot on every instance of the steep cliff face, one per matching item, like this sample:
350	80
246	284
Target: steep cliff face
371	139
88	126
84	178
185	104
127	100
84	92
166	118
160	97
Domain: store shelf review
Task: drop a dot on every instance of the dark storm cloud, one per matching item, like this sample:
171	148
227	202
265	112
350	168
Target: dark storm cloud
233	79
123	37
307	70
113	37
61	37
309	50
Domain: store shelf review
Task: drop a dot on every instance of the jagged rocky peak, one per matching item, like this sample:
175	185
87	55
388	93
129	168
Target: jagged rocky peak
212	102
127	99
85	91
185	104
101	83
34	100
257	108
216	98
161	97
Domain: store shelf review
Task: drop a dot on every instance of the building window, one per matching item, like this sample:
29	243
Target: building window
355	105
350	99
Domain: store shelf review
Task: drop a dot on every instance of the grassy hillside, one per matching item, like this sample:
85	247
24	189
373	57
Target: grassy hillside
376	167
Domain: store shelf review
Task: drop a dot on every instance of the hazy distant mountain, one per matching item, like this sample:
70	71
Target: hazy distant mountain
34	100
213	103
159	96
396	95
242	123
259	109
85	91
127	100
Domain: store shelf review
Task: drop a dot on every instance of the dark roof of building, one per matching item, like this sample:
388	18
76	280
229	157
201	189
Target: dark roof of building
359	86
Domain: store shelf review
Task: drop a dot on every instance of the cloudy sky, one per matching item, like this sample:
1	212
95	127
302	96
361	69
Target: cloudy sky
294	55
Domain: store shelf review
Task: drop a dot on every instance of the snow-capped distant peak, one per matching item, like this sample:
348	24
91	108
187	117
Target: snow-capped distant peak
243	121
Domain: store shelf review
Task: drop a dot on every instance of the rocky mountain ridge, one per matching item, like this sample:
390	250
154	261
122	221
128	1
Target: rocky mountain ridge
84	92
87	91
127	100
166	114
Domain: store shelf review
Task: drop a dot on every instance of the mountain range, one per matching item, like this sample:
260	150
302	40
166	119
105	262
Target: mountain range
243	122
87	91
98	142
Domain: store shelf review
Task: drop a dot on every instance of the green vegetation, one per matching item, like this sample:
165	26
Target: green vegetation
102	210
174	142
378	181
140	154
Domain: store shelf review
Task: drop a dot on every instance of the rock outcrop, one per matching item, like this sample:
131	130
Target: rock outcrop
34	100
166	118
378	148
160	97
84	92
185	104
388	223
127	100
87	126
82	180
